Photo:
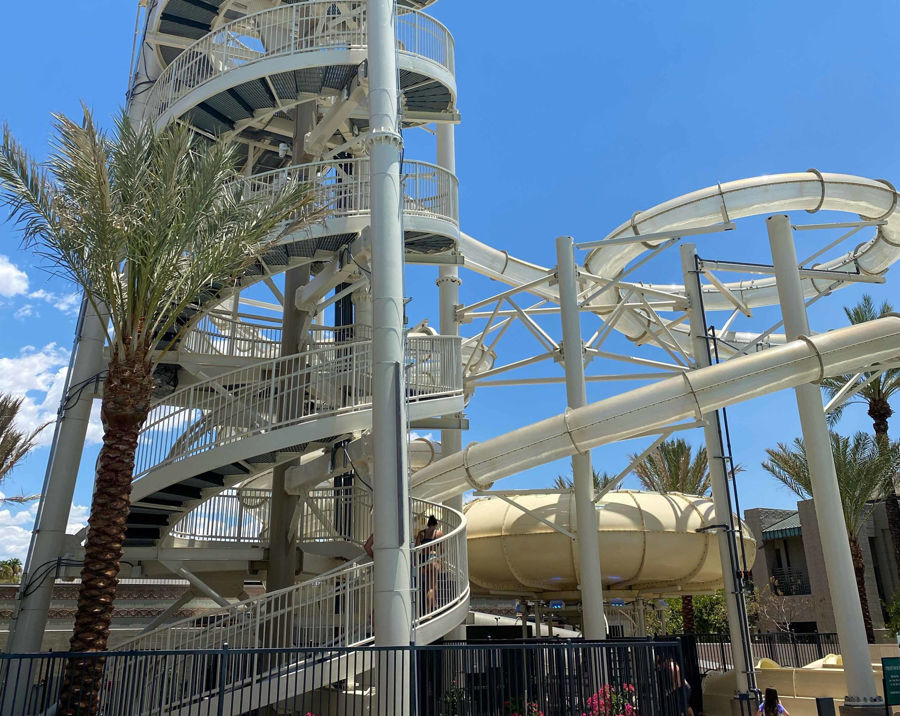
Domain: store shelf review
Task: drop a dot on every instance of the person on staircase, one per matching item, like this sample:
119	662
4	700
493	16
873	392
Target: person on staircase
430	562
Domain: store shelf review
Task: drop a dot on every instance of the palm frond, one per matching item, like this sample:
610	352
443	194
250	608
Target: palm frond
673	467
148	224
865	472
873	388
14	443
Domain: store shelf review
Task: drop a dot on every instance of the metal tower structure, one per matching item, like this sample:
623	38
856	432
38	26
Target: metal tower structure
279	442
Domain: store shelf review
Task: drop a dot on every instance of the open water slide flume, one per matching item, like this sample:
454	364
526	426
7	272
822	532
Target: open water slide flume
691	395
716	208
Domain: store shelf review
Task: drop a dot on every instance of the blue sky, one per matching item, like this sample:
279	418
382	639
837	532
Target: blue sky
574	116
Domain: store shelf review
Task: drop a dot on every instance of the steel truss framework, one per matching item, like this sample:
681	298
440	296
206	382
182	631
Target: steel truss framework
298	84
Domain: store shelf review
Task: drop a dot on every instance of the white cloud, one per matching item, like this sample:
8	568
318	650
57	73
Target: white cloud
67	303
17	521
39	376
13	281
26	311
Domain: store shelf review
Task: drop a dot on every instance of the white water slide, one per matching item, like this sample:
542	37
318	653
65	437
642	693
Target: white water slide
690	395
682	398
715	207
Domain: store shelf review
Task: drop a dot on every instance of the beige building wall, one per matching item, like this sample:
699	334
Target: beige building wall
882	577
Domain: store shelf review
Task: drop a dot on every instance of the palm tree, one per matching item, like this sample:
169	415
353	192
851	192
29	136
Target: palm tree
149	225
865	470
561	482
673	467
14	444
10	570
875	390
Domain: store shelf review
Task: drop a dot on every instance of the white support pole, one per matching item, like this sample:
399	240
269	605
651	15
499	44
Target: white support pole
48	538
448	283
393	608
826	495
737	628
640	617
594	627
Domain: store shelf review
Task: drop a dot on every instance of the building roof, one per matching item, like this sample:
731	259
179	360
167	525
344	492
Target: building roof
788	526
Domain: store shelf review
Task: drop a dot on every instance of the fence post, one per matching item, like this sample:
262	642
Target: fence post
797	663
223	657
570	670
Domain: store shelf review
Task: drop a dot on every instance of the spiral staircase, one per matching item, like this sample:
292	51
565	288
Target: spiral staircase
288	83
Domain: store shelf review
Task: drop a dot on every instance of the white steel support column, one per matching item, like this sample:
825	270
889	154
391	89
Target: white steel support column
826	495
740	637
588	542
393	608
48	537
448	283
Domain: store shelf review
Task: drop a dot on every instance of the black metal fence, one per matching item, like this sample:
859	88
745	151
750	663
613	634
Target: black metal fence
529	679
784	648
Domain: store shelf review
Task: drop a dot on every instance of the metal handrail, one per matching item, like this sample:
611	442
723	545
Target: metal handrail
334	609
287	30
335	514
236	515
229	624
341	187
267	396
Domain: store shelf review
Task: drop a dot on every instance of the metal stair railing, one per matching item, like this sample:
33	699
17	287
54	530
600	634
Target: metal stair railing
283	392
335	514
334	609
288	30
235	515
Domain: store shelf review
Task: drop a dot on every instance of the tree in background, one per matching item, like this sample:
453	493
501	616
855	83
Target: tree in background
149	225
710	614
875	390
10	570
865	472
673	467
14	443
562	482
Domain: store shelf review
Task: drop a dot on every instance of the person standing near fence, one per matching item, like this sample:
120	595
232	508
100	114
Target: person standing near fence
672	684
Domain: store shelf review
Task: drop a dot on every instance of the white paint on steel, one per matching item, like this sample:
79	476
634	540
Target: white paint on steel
48	538
591	584
289	38
718	476
654	407
829	512
393	604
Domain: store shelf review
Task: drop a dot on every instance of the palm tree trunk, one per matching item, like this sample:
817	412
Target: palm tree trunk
880	412
687	614
126	402
892	508
859	567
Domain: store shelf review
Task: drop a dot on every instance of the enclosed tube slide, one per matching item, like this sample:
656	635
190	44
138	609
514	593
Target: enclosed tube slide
649	543
811	191
642	411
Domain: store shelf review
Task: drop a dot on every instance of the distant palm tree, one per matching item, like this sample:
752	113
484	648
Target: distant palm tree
150	226
14	444
562	482
865	471
875	390
673	467
10	570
